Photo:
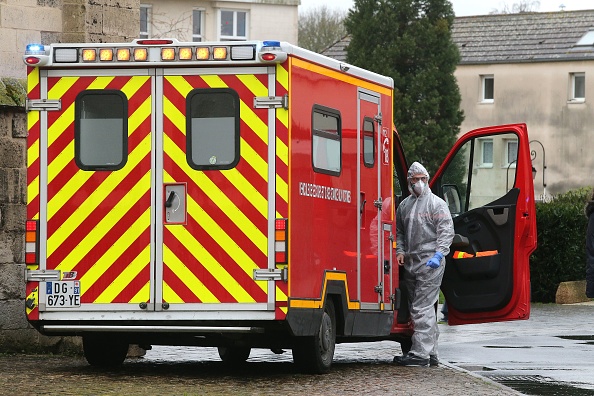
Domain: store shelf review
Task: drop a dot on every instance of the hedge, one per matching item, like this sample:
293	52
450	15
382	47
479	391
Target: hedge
560	255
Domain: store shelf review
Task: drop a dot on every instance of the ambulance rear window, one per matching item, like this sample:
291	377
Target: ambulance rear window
212	129
326	140
100	130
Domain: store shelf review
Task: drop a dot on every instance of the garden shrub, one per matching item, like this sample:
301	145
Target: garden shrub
560	255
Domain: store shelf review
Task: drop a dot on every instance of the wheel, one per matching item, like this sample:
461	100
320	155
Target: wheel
234	355
104	351
315	354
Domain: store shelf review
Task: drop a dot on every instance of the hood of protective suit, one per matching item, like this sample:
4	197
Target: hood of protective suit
421	187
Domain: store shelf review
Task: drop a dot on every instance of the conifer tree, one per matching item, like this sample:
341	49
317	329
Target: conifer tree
410	41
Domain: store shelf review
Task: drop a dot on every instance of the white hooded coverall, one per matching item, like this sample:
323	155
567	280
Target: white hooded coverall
423	226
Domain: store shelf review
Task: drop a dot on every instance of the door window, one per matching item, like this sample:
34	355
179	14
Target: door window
101	130
213	129
368	142
467	184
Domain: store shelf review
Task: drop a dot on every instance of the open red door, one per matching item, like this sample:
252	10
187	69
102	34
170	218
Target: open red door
486	181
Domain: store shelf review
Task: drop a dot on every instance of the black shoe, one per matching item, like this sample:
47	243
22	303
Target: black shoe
433	361
411	360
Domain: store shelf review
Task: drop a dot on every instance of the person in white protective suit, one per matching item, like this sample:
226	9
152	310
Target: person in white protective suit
424	233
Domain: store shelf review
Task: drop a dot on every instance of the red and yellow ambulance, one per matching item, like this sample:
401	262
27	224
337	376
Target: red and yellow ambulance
242	195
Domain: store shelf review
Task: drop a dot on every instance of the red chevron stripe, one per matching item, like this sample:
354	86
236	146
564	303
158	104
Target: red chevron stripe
86	225
121	262
194	265
134	286
203	198
94	182
225	185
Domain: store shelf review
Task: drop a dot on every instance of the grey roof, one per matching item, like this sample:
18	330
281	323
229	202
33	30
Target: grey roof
513	38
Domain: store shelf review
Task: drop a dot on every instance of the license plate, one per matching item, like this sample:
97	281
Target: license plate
62	294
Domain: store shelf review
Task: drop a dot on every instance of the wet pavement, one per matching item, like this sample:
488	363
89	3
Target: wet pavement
552	353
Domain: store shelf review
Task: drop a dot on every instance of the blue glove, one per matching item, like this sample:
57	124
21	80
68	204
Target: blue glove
435	261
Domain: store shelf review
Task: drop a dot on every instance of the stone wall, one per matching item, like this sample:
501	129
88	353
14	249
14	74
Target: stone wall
23	22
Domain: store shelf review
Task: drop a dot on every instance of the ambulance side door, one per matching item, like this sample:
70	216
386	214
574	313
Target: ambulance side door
486	182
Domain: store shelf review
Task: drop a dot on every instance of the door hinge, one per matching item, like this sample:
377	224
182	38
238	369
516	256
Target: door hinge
379	288
378	118
271	274
271	102
43	104
378	203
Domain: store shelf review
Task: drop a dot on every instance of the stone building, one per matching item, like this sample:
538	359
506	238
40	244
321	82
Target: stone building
533	68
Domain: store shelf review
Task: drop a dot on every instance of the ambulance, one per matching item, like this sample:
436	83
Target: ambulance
242	195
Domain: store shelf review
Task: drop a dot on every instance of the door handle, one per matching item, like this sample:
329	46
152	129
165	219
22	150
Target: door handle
362	206
170	199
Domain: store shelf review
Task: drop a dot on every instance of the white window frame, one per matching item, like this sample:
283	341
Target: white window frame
506	160
149	17
198	37
234	36
573	84
484	79
483	163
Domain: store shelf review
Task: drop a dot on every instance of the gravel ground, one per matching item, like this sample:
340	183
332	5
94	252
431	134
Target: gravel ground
71	375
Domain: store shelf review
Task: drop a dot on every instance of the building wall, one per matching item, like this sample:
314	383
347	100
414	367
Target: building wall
538	94
273	19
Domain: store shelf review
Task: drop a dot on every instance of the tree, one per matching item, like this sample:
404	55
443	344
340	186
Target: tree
320	27
518	8
410	41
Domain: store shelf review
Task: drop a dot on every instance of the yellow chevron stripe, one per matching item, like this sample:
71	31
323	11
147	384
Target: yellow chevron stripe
225	203
138	117
253	84
32	80
133	85
127	275
194	284
170	296
180	84
282	151
61	87
107	259
247	152
282	188
55	130
33	151
280	295
142	295
97	197
246	112
283	116
282	76
32	190
227	243
211	265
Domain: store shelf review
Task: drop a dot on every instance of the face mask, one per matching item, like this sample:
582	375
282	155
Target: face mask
418	187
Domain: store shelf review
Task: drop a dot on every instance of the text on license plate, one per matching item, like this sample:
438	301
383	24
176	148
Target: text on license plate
62	294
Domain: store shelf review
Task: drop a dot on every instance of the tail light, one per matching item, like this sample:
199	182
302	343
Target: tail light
32	242
281	245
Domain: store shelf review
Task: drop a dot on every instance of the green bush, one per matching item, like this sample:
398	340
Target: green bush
560	255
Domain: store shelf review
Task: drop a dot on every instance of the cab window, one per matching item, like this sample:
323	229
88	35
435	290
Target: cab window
101	130
212	129
326	140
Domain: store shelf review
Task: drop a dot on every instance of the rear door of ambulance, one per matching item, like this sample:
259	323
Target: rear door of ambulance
487	183
156	194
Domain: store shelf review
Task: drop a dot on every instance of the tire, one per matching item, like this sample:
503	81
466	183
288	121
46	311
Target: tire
314	354
104	351
234	355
